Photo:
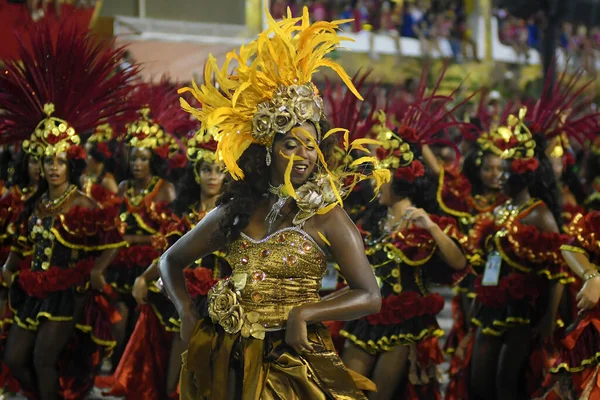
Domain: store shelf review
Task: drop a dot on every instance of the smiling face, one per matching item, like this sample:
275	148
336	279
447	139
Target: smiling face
491	171
211	179
56	169
294	143
139	163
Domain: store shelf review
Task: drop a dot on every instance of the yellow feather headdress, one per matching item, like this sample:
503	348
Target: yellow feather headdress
270	90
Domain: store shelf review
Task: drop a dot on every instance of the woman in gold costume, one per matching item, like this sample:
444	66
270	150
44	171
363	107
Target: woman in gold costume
278	220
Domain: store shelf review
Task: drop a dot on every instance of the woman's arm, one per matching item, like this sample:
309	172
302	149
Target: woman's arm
543	219
109	183
579	263
447	248
431	160
138	239
140	286
194	245
166	194
97	274
362	296
10	267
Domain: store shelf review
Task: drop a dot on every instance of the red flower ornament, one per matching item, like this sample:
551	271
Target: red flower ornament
521	166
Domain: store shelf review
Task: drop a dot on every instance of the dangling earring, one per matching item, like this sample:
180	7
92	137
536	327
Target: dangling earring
268	158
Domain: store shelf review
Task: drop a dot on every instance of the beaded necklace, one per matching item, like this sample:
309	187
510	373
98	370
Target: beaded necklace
51	206
136	199
509	211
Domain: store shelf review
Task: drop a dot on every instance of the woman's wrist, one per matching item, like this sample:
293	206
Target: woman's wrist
590	274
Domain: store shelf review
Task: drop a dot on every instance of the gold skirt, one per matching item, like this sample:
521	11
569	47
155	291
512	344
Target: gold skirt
268	369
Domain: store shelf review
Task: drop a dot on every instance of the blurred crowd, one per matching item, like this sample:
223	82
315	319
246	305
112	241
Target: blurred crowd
430	22
579	44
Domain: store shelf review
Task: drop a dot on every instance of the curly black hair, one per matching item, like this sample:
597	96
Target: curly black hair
5	164
570	179
75	168
240	198
422	192
592	168
542	182
188	190
20	176
107	162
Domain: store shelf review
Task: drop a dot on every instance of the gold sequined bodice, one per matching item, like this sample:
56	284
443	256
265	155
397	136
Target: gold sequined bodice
282	271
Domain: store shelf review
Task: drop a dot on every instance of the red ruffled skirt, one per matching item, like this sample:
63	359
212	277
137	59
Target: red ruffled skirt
36	296
575	373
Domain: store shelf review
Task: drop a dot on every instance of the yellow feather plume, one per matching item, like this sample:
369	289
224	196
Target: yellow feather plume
287	53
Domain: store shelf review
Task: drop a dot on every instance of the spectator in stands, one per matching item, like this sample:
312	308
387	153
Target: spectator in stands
427	31
360	15
390	24
279	9
516	35
346	13
460	31
318	12
411	17
373	24
585	50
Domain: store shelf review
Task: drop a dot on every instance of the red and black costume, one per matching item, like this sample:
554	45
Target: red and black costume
406	264
575	373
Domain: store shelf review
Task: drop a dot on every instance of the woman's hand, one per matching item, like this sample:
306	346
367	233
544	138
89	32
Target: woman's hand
97	280
140	290
296	333
588	296
419	218
188	323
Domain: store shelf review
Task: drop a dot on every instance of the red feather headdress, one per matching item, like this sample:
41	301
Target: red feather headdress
422	121
65	84
160	120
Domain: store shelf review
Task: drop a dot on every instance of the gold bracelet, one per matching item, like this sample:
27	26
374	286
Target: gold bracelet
590	275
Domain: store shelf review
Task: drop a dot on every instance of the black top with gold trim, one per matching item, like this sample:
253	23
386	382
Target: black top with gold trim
529	258
59	249
405	262
140	215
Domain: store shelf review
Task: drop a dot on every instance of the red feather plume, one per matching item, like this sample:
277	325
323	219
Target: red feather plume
564	96
73	70
163	101
346	111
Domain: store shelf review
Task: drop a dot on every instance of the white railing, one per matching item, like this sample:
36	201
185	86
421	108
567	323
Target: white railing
133	28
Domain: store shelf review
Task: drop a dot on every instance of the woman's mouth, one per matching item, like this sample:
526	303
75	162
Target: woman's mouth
300	169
